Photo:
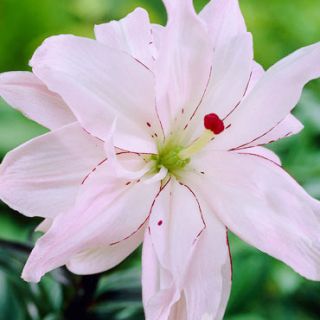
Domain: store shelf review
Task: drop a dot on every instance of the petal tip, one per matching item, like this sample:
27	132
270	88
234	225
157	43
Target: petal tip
30	274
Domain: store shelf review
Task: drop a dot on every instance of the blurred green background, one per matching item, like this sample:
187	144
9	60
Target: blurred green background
263	288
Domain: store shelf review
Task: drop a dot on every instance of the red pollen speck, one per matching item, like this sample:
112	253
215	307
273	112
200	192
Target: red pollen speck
159	222
214	123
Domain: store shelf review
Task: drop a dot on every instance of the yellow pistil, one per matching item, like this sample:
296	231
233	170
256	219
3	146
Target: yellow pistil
197	145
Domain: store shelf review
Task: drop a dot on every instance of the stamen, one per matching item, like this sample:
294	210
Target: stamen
214	126
214	123
197	145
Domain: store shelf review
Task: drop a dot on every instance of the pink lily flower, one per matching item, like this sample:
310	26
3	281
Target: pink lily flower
156	137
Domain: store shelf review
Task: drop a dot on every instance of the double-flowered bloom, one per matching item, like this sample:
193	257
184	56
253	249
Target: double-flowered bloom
156	137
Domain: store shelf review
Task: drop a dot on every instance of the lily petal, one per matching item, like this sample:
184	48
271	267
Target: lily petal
271	100
44	225
25	92
257	74
158	293
286	128
199	266
100	84
116	166
183	66
42	177
224	94
86	226
157	33
103	258
208	281
175	225
261	152
290	125
131	34
224	21
269	209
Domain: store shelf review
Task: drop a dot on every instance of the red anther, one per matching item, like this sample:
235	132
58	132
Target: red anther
214	123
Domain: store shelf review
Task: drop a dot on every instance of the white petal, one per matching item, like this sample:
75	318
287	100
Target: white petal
175	224
224	20
157	33
182	68
272	99
131	34
108	210
262	204
157	290
287	127
186	264
42	177
261	152
229	81
158	176
290	125
44	225
116	166
208	282
103	258
257	74
99	84
25	92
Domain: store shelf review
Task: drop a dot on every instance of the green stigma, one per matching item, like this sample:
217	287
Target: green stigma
170	158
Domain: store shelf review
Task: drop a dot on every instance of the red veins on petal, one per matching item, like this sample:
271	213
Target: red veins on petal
214	123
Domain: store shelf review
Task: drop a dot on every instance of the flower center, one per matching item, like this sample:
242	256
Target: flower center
175	157
169	157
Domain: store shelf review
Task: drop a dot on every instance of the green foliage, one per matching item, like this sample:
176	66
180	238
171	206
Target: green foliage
263	288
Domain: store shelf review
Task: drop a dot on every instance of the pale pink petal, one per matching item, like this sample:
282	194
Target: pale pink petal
157	290
44	225
208	281
262	152
25	92
116	165
262	204
42	177
224	93
179	310
163	172
224	20
175	225
100	83
157	33
103	258
108	210
185	271
286	128
257	73
271	100
131	34
290	125
150	270
183	66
